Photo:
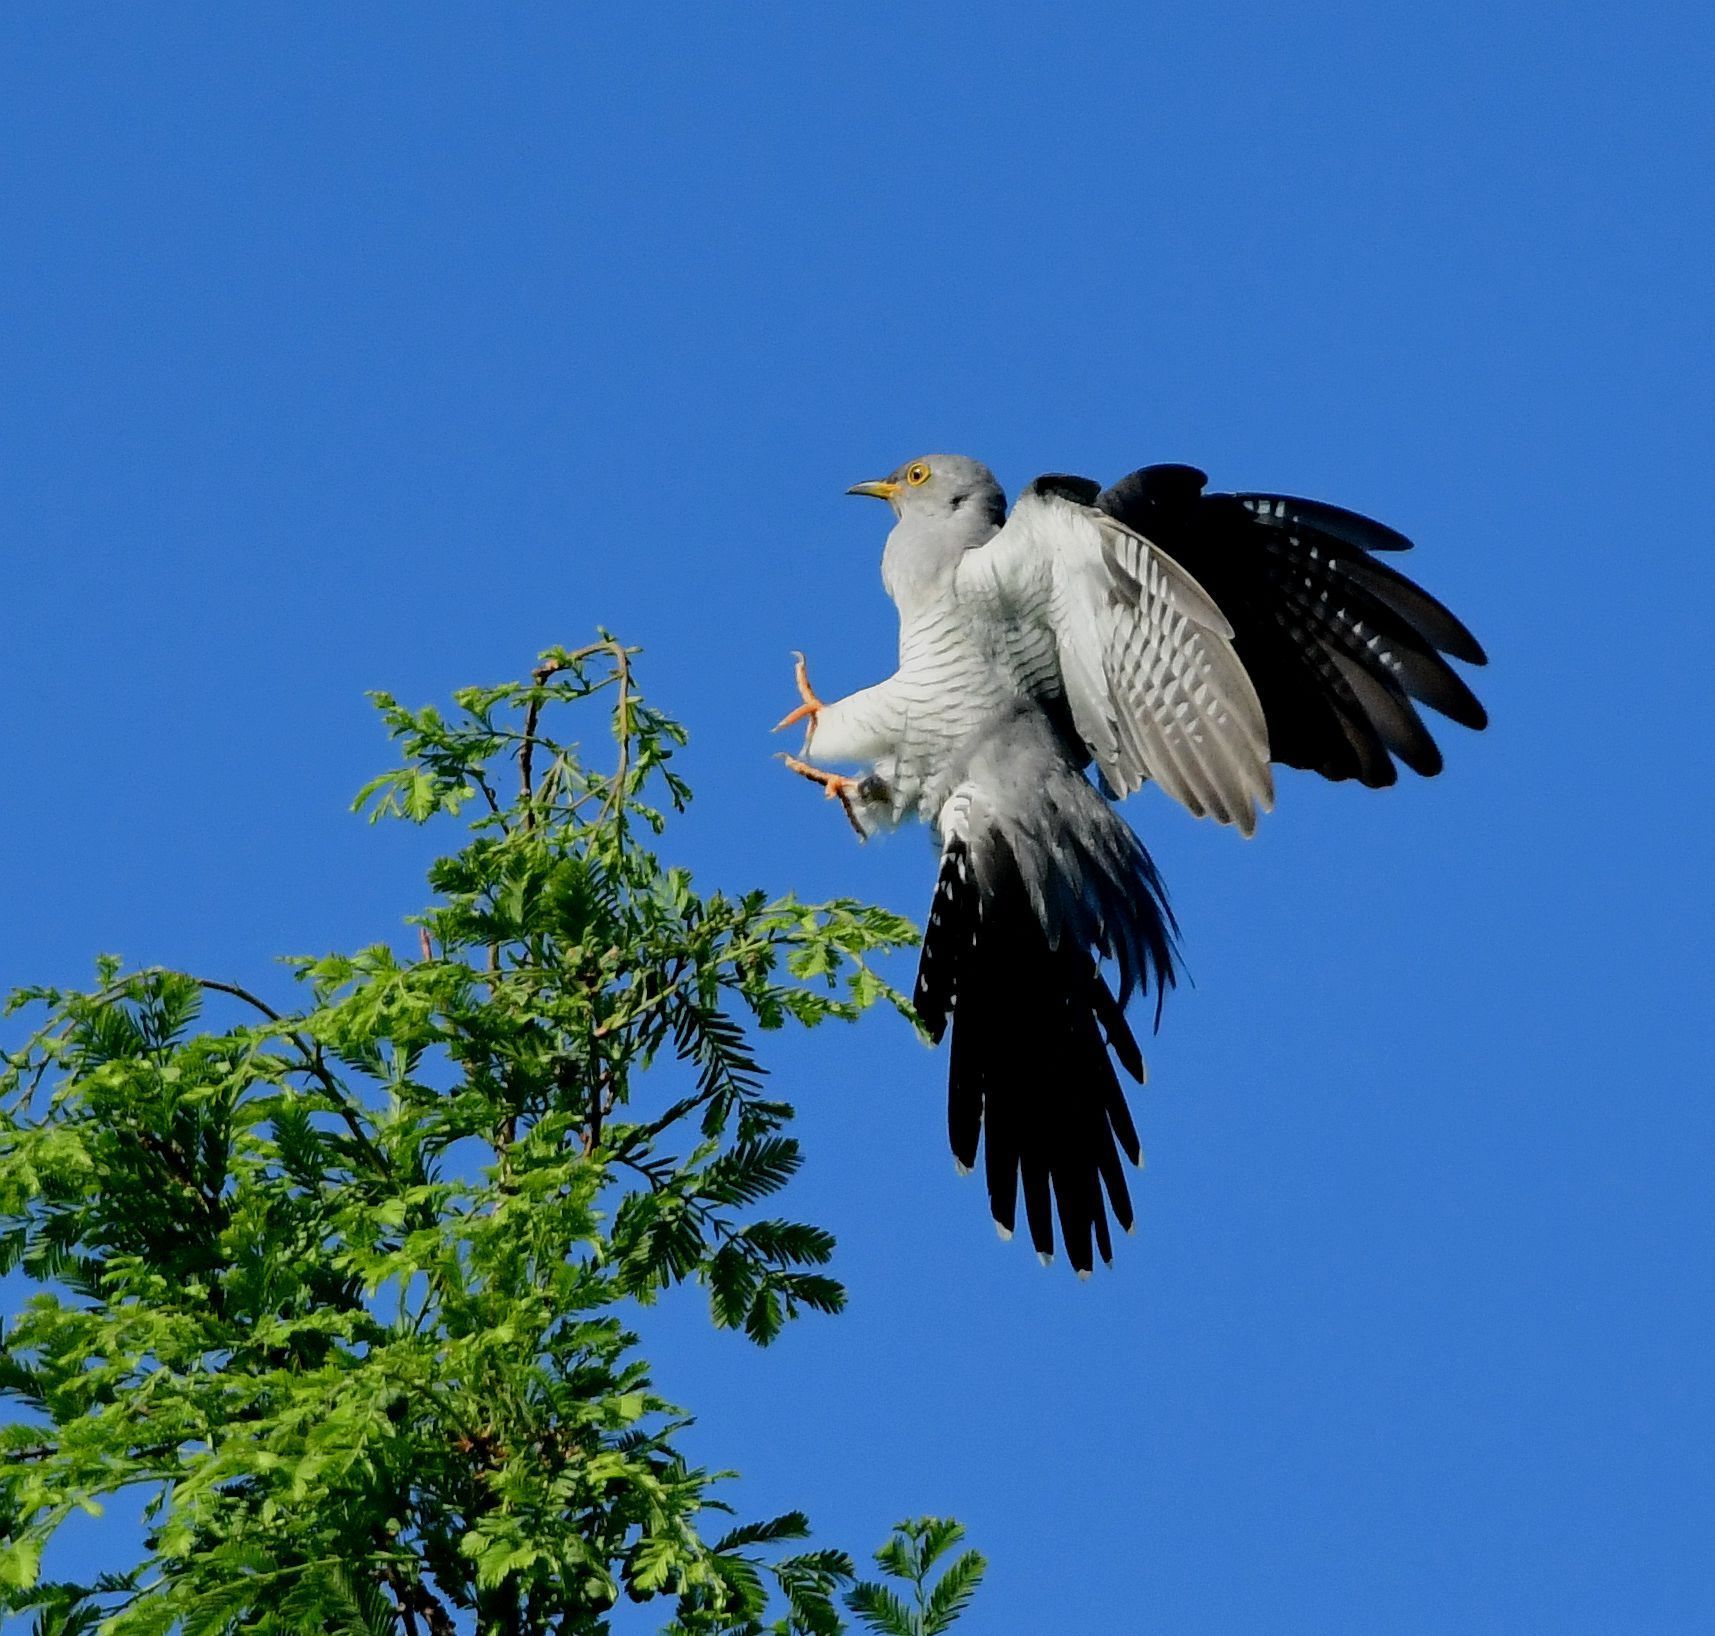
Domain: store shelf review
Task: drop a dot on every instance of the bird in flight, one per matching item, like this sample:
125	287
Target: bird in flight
1150	631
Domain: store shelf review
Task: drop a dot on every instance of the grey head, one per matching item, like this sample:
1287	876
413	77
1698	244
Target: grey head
941	488
946	505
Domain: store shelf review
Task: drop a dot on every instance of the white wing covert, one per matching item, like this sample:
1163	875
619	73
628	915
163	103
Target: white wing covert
1145	657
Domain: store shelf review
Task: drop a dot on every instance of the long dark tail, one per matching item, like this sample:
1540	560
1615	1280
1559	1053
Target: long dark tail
1033	1023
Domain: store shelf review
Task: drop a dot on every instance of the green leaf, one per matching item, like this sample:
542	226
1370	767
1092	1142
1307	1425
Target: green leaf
20	1563
916	1546
952	1595
880	1609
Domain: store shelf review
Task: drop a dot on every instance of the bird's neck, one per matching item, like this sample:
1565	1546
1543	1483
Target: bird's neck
922	553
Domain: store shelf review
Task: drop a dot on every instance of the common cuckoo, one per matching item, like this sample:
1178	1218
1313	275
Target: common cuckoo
1152	631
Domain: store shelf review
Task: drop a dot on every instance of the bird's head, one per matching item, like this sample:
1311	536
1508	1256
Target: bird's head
937	486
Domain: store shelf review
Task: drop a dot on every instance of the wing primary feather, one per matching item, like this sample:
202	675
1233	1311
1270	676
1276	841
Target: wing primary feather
1350	528
1430	618
1390	712
1308	598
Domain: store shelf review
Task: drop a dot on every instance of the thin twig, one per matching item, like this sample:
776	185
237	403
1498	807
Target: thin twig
312	1055
488	794
415	1597
391	1578
533	713
233	989
685	1105
604	1097
622	715
682	973
122	988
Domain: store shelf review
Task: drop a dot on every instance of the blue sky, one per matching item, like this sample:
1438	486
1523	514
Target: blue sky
381	347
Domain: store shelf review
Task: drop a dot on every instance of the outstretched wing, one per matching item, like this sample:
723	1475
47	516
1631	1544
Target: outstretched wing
1339	644
1145	657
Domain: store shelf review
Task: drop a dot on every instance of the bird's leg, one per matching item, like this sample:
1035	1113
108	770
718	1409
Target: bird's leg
809	709
837	787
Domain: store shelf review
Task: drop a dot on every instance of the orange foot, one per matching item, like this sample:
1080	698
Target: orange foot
836	786
810	708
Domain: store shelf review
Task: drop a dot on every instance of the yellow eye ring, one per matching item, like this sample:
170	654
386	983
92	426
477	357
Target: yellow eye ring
918	474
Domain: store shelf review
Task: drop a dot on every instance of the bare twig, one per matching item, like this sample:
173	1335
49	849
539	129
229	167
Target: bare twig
527	750
488	794
233	989
622	714
414	1597
533	715
679	1110
604	1097
392	1579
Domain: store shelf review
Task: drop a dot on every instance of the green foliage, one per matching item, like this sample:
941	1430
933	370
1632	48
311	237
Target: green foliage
915	1548
343	1291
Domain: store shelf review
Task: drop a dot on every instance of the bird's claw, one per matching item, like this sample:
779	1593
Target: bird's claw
810	708
836	787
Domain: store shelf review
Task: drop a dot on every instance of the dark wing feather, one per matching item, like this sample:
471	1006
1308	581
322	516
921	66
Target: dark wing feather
1341	646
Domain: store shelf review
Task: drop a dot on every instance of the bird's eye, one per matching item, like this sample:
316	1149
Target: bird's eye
918	474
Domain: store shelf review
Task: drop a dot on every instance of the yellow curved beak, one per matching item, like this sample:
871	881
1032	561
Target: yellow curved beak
881	489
